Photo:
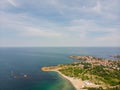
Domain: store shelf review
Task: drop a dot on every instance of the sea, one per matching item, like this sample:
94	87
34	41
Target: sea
20	67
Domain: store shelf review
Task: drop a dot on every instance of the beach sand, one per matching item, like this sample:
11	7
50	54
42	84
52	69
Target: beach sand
78	84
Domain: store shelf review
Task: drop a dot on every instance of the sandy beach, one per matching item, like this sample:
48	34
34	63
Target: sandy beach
78	84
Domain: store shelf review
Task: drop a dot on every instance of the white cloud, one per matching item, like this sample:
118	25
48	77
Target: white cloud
89	25
37	32
4	4
86	30
26	25
71	22
104	9
98	7
13	3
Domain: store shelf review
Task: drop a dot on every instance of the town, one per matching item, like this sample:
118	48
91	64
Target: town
111	64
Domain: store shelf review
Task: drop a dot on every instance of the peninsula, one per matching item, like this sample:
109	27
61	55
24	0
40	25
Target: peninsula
91	73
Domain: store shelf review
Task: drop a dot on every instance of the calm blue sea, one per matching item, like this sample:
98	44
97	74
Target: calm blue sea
20	67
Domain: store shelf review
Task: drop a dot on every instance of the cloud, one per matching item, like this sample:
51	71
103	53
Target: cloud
26	26
6	4
91	33
66	22
37	32
13	3
103	9
88	26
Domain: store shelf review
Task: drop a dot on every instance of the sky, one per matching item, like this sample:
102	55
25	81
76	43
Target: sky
59	23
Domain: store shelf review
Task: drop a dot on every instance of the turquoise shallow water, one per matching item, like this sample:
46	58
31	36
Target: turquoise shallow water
17	62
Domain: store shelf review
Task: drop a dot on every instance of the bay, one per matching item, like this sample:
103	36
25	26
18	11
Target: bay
20	66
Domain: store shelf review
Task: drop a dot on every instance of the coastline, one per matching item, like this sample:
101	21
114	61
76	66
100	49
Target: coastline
86	80
78	84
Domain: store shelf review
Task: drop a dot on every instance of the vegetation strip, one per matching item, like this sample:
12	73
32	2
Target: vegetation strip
93	72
